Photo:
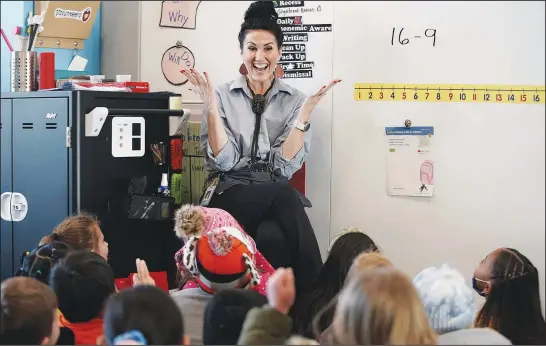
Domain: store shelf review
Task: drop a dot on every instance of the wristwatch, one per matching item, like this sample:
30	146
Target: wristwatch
304	127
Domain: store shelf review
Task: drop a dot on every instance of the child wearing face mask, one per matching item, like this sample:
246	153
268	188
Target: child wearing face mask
509	283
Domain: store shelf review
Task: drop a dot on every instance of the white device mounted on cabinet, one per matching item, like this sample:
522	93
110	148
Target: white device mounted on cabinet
95	119
13	206
128	137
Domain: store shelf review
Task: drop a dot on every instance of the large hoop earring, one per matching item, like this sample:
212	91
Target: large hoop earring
243	70
279	72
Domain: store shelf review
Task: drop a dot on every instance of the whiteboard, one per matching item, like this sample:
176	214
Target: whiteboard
489	166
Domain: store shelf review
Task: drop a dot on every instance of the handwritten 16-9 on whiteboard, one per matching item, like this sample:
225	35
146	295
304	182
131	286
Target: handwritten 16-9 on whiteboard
516	94
179	14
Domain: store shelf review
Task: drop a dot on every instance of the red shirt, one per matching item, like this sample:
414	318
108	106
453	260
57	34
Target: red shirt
85	333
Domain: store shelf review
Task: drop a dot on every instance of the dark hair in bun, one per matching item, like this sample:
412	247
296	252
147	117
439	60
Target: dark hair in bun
261	15
38	263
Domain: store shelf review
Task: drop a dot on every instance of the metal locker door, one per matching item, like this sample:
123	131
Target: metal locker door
6	246
40	168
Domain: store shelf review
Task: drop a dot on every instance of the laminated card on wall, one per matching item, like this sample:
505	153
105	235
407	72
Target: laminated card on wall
410	166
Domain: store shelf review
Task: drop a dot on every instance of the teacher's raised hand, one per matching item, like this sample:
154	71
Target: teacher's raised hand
314	99
204	87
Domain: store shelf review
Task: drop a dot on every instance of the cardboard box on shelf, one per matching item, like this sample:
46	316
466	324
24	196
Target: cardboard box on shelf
193	163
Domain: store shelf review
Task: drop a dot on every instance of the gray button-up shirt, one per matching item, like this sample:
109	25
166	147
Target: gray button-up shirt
235	108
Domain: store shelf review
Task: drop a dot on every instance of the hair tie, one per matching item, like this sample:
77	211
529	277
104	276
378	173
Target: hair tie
132	337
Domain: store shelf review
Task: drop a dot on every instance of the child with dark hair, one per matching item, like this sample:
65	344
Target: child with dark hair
29	313
143	315
39	262
82	281
509	282
226	313
344	248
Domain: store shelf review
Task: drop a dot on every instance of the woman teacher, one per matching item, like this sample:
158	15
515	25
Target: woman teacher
255	135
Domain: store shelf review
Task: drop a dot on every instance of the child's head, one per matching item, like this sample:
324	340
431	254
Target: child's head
220	259
510	284
81	232
368	260
226	313
193	220
83	281
29	313
381	307
344	248
448	300
38	264
143	314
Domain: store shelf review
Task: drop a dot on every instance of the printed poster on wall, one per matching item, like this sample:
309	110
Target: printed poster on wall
410	166
307	29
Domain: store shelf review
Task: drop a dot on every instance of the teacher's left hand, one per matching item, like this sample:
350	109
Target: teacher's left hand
314	99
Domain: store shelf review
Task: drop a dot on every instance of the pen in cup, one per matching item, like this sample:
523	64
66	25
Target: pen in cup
6	40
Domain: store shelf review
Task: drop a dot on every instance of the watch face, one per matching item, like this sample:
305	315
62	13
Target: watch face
306	126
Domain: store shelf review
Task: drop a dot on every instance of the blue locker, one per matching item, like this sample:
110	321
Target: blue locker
40	167
6	249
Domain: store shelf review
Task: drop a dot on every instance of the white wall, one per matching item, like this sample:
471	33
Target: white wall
120	33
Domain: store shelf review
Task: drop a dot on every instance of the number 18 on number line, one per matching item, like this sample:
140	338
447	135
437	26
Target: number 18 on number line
450	93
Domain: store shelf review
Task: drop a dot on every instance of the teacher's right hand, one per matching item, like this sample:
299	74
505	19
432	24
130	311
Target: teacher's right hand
204	87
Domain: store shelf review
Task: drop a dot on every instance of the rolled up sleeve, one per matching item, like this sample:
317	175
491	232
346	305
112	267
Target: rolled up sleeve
229	155
285	167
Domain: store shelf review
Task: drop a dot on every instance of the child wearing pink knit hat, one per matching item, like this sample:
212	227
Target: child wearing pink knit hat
196	221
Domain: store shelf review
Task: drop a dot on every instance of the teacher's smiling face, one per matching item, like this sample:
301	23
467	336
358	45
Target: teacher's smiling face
260	55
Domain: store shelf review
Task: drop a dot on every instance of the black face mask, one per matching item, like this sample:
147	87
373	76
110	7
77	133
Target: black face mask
475	287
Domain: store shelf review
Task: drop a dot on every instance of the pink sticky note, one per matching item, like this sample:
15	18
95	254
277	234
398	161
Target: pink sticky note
179	14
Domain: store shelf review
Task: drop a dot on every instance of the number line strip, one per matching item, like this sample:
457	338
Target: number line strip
453	89
515	94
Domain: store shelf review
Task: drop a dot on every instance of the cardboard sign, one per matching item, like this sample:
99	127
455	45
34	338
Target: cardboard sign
175	59
179	14
66	23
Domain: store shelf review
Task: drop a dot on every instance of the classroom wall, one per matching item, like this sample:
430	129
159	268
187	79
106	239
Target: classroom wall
15	13
11	14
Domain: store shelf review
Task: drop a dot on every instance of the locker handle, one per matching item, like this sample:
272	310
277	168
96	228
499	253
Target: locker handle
13	206
5	206
19	207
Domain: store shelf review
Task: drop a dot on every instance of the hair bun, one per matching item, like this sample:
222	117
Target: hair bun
261	10
189	221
